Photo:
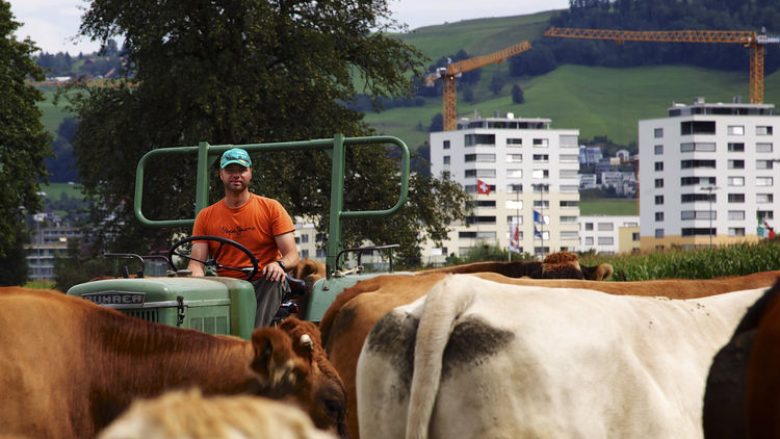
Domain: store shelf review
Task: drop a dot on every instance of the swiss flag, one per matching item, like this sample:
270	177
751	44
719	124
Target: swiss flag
483	188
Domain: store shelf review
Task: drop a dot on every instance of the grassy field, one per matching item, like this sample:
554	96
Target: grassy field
617	207
55	191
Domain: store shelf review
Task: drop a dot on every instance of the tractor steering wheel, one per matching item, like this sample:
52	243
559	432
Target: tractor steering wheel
213	261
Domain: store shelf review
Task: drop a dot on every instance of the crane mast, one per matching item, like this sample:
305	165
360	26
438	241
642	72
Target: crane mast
454	70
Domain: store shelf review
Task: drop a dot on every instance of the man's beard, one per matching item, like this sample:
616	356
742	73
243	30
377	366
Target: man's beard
235	189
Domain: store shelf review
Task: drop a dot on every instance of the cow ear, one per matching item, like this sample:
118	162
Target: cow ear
274	361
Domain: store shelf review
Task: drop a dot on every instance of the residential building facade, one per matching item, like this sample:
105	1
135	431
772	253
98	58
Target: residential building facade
530	170
707	174
609	234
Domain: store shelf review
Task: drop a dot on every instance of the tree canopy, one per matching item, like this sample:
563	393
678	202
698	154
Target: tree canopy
247	71
24	144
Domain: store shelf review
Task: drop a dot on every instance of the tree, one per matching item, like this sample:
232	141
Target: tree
497	83
517	94
246	72
24	145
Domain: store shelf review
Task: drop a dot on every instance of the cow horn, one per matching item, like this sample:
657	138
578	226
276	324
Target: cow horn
306	341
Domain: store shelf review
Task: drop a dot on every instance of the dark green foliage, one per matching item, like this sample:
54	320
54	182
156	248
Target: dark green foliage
61	165
652	15
13	264
517	94
76	268
437	123
497	83
245	72
24	145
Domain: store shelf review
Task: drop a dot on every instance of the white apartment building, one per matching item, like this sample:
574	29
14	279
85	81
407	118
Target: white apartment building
609	234
707	172
528	167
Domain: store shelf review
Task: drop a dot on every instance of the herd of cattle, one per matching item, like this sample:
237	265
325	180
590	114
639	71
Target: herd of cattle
486	350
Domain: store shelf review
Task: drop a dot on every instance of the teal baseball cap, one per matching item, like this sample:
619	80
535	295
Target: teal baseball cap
237	156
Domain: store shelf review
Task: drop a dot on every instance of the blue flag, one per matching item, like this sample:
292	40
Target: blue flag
537	217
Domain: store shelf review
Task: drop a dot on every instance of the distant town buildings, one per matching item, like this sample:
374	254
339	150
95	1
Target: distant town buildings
49	239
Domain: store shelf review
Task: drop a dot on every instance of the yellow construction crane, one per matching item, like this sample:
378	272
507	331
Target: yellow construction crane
456	69
754	41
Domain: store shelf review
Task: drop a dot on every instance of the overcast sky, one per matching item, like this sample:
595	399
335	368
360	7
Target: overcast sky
53	24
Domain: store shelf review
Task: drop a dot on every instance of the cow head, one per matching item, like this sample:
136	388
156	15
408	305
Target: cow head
291	365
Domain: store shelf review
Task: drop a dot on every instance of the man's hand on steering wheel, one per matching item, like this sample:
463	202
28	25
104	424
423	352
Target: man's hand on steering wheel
273	272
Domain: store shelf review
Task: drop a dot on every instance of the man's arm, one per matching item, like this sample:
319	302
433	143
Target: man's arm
200	251
290	257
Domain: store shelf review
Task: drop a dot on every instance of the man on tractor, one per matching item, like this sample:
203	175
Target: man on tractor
260	224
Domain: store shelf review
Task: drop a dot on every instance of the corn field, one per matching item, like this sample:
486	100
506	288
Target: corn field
703	263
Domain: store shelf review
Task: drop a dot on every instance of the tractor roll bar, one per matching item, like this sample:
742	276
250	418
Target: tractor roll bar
336	147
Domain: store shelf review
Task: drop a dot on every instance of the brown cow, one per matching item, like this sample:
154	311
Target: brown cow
559	265
69	367
349	319
189	414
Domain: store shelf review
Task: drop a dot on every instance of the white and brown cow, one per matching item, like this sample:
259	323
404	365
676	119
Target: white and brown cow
69	367
476	358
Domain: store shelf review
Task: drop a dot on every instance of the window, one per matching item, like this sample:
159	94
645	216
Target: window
606	240
658	133
514	188
764	215
321	253
736	130
659	182
304	253
514	142
736	147
736	215
589	240
480	139
482	203
568	141
490	158
659	166
736	181
570	235
698	214
304	238
514	173
763	130
736	164
606	227
446	160
764	147
569	158
569	204
659	216
764	181
697	147
697	127
541	173
446	144
569	188
736	198
588	226
541	143
514	220
689	164
764	164
659	149
514	158
736	231
477	219
692	198
569	173
659	233
659	199
698	231
764	198
544	158
486	173
692	181
635	236
568	219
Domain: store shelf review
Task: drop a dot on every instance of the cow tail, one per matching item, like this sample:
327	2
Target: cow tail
443	305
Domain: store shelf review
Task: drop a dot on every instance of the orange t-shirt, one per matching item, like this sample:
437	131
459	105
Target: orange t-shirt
254	225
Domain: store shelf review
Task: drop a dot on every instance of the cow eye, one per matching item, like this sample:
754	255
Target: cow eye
334	407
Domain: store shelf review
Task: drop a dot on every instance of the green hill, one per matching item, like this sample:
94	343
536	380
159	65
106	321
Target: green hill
597	101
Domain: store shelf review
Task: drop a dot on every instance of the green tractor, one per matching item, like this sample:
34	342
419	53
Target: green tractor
225	305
